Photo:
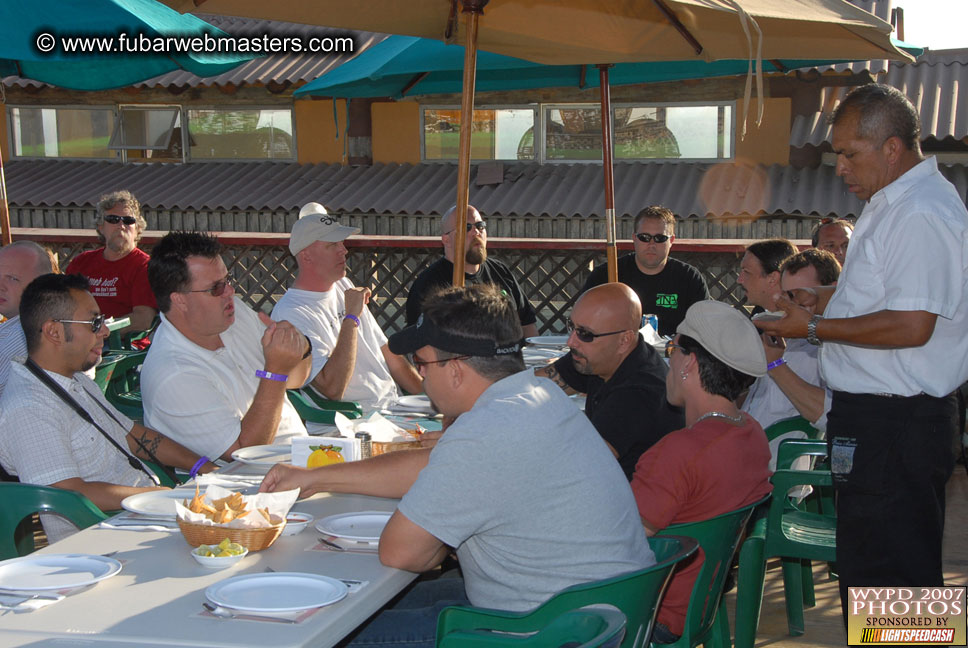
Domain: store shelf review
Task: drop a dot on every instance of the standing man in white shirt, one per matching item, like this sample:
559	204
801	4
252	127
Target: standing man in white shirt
351	359
893	345
216	374
20	263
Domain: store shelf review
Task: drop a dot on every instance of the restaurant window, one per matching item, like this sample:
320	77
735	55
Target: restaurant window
241	134
61	132
573	132
640	132
148	134
496	134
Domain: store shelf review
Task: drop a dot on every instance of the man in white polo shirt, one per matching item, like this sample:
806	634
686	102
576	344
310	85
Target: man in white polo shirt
894	345
216	375
351	360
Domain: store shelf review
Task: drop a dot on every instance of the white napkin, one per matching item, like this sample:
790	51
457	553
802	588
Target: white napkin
380	429
214	479
17	603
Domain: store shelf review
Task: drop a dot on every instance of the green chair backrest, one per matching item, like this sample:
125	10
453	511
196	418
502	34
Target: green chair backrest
795	427
636	594
313	408
718	538
19	501
123	386
590	627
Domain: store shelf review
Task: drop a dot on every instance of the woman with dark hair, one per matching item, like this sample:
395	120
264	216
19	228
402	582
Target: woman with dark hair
719	461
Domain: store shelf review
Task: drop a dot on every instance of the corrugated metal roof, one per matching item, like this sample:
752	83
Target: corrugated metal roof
274	69
689	189
937	85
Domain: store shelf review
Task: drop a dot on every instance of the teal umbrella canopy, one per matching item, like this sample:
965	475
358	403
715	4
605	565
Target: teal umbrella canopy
36	34
406	65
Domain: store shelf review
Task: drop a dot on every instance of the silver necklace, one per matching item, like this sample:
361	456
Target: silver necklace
732	419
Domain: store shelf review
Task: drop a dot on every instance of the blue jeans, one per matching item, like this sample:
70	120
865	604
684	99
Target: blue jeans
413	620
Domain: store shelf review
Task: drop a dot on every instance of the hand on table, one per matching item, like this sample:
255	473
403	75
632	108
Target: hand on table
282	477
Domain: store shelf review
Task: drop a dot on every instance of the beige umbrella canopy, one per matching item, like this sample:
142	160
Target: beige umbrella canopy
566	32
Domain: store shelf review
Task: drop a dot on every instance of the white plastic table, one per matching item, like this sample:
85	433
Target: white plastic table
157	597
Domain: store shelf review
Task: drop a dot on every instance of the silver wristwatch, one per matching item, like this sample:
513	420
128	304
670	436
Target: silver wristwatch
812	331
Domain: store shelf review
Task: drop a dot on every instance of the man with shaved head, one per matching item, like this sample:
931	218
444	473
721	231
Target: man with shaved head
478	268
623	376
20	263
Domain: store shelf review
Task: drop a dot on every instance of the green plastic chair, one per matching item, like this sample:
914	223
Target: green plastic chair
122	386
706	620
636	594
20	501
313	408
789	531
589	627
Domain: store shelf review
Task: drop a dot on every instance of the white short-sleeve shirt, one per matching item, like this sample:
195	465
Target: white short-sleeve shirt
319	316
909	252
13	347
198	397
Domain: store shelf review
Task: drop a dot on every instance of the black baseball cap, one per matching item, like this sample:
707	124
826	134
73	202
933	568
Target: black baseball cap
426	333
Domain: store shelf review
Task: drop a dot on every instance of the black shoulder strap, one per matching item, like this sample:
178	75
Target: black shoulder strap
67	398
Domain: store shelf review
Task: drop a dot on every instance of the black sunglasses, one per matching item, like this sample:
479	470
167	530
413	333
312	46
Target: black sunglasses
95	323
216	290
115	219
420	365
585	335
648	238
670	346
480	225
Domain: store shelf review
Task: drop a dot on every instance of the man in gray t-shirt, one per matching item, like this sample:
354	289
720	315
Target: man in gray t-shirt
521	484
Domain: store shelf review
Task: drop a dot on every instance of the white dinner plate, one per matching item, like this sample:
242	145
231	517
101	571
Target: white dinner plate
55	571
276	592
157	503
264	455
415	403
365	526
548	341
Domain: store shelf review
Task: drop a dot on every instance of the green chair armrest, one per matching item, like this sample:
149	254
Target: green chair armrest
791	449
458	617
349	409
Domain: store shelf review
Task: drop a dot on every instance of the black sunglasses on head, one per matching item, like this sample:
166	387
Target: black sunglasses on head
585	335
648	238
95	323
114	219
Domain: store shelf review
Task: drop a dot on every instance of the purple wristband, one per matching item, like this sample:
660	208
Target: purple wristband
776	363
198	466
268	375
356	319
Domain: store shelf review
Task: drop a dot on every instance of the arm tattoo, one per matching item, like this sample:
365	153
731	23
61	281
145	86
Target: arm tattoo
148	444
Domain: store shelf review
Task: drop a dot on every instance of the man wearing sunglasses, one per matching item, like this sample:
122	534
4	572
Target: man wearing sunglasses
478	268
20	263
46	440
666	287
216	374
520	485
351	360
623	377
118	271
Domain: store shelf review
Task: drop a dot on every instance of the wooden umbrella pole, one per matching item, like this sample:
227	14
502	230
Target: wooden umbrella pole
611	250
473	12
5	235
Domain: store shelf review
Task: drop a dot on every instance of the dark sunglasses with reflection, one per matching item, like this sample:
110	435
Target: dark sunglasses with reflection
215	290
95	323
585	335
115	219
648	238
480	225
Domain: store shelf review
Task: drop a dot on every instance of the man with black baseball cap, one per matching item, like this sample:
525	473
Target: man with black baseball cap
520	484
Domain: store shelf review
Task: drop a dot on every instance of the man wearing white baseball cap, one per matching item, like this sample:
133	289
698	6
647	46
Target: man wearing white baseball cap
719	461
350	356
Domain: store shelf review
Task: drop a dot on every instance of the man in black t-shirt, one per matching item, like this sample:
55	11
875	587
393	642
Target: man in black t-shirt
623	377
478	268
666	287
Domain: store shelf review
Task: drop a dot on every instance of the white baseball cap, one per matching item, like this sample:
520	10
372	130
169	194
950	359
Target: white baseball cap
315	224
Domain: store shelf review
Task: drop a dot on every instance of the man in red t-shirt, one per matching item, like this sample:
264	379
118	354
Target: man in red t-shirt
719	461
118	272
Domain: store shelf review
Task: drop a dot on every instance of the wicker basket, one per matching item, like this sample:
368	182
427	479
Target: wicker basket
251	539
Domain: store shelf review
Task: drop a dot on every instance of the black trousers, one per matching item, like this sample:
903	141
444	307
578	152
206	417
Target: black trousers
890	459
